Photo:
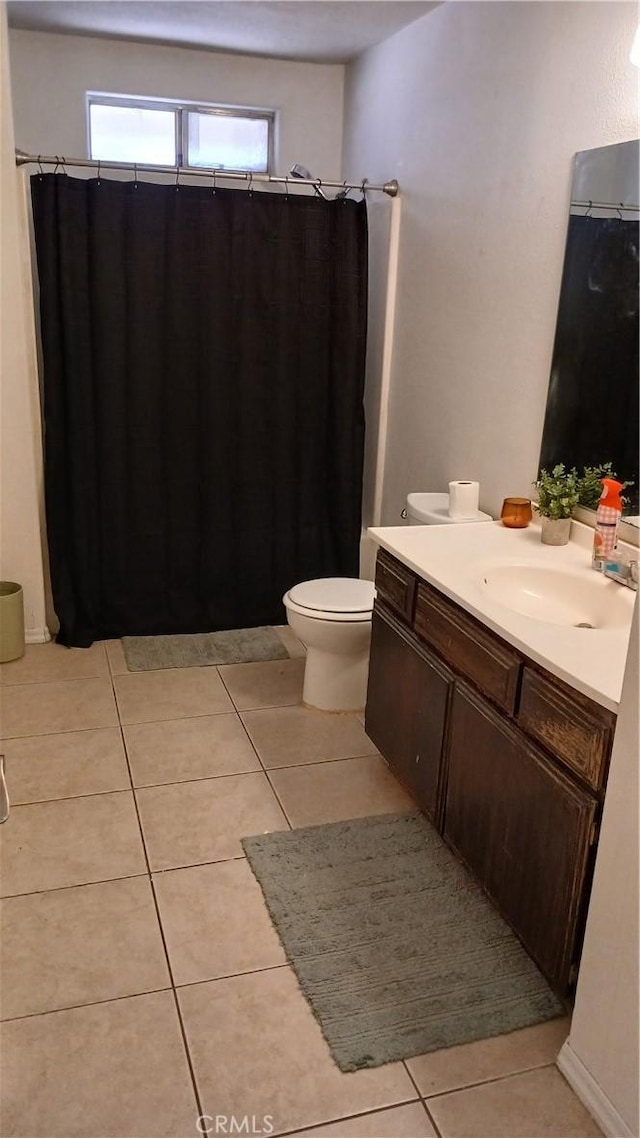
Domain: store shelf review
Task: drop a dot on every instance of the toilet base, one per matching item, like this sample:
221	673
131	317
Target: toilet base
335	681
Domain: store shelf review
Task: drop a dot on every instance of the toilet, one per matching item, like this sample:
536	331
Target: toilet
332	618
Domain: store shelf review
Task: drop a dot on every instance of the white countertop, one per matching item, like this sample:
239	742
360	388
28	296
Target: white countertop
453	559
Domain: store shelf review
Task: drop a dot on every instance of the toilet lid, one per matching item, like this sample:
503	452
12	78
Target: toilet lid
334	594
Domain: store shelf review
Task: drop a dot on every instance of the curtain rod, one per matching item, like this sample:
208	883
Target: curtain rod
620	206
22	159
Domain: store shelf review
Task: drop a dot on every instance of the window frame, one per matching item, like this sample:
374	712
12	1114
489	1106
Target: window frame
181	110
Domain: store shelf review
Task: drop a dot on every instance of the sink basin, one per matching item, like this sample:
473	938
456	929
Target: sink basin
556	596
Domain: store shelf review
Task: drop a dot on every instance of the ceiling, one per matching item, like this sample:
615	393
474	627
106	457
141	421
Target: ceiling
321	31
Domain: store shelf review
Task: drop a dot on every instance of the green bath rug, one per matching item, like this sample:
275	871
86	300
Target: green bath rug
396	949
238	646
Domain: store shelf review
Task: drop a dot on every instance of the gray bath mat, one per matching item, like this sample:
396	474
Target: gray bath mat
395	947
238	646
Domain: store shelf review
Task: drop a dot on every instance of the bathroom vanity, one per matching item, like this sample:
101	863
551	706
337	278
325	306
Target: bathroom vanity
501	722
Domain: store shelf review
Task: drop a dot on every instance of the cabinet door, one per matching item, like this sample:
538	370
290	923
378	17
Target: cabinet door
406	708
523	829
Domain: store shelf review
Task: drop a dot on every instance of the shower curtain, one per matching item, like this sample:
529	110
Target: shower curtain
203	374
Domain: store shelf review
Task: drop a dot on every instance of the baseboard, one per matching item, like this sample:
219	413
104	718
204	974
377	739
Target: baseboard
591	1094
37	635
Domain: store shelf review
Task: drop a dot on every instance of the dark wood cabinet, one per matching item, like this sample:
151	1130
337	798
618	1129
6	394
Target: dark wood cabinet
522	827
395	585
472	650
406	708
571	726
507	761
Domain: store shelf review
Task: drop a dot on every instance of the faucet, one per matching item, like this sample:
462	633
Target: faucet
620	567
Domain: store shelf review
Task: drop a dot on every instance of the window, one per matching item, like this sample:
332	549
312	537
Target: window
132	134
158	133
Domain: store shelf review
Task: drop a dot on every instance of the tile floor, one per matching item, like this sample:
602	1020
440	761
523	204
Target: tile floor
142	982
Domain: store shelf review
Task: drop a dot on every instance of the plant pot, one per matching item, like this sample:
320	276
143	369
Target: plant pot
555	531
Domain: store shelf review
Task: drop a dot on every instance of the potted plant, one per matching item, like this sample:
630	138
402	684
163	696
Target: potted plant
590	484
558	494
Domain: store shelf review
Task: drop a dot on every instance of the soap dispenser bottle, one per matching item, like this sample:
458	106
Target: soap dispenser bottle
608	516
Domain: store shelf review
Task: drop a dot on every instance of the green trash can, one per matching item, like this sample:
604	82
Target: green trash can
11	621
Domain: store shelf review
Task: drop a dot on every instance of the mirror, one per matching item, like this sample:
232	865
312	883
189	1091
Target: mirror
592	404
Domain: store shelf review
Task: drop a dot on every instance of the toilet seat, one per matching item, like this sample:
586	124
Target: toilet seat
332	616
333	598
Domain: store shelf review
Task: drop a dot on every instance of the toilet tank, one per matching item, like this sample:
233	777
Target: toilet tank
428	509
433	510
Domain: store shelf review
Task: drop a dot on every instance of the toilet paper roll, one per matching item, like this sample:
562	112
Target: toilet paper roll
463	499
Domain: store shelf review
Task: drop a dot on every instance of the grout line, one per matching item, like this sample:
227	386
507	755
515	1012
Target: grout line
484	1082
197	864
266	773
176	718
74	885
197	778
74	798
181	781
66	731
205	778
125	877
160	925
432	1119
233	975
87	1004
62	731
319	762
348	1117
9	685
235	706
279	801
426	1108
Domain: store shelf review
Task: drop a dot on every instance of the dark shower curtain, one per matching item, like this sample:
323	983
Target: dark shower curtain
203	400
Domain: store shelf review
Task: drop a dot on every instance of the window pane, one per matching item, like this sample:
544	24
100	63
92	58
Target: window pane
228	142
133	134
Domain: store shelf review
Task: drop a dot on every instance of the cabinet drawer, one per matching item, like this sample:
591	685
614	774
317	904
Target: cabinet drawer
571	726
468	648
396	585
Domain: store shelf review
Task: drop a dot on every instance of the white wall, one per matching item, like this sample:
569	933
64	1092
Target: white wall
602	1057
477	109
20	448
52	73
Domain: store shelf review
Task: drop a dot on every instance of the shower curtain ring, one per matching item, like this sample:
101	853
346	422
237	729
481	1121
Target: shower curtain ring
250	182
55	168
214	181
98	171
40	166
619	209
177	177
589	208
64	168
286	187
363	187
135	175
